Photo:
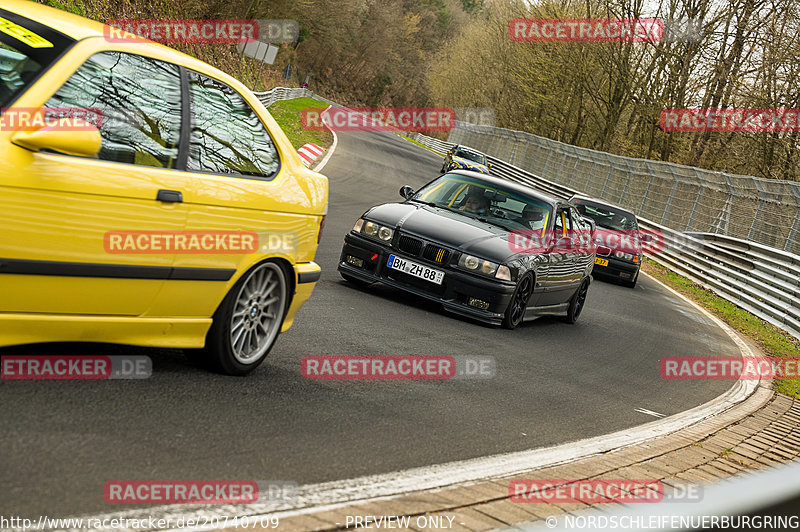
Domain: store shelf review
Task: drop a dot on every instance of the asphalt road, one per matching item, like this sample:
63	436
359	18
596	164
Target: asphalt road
61	441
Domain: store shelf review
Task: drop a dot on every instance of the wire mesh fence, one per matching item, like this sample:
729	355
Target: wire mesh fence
681	197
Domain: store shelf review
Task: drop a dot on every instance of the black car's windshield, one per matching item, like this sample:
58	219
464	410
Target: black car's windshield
26	49
470	155
506	208
606	216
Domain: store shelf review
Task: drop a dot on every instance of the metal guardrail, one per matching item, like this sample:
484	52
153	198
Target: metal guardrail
762	280
287	93
682	197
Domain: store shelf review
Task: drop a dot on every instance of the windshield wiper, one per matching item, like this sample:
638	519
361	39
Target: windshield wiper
487	221
432	204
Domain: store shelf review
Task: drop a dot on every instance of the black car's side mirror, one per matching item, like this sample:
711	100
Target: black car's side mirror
407	192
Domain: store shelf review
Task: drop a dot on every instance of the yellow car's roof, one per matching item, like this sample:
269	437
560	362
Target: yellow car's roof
67	23
79	28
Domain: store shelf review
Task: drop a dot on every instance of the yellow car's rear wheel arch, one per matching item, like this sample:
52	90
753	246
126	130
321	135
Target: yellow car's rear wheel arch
249	319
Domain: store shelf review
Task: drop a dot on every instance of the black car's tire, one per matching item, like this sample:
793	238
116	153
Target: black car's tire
354	280
248	321
519	302
577	302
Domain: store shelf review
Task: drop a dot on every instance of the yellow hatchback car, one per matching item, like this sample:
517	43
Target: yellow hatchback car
158	204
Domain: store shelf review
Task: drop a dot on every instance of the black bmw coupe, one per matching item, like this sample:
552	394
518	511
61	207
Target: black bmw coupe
483	247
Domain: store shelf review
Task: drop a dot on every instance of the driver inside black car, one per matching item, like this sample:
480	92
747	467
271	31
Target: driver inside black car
476	204
532	217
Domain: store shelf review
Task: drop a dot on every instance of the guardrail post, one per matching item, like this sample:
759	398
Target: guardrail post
627	183
608	177
702	182
720	224
671	195
649	185
757	217
574	170
796	225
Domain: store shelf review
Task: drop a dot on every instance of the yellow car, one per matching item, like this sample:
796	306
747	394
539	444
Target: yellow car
156	204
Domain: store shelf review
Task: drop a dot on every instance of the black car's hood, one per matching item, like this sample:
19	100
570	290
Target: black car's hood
445	227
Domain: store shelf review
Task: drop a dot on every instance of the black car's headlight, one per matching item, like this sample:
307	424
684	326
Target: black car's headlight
624	256
373	230
485	267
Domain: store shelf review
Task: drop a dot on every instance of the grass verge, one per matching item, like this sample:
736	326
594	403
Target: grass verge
774	342
412	141
287	114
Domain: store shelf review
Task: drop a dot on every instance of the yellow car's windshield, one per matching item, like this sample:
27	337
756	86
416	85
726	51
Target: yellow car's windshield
27	48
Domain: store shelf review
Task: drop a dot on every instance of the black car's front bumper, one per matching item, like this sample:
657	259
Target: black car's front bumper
454	293
617	268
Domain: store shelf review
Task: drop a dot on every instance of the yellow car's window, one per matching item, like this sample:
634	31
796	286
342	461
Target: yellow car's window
27	49
139	104
227	137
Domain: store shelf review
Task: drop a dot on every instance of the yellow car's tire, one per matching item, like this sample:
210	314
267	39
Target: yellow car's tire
248	320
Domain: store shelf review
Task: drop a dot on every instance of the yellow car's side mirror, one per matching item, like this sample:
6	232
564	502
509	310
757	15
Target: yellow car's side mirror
66	135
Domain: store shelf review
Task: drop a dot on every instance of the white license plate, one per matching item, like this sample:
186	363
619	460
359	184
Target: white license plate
417	270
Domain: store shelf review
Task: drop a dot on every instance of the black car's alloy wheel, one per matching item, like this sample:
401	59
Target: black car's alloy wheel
519	303
577	302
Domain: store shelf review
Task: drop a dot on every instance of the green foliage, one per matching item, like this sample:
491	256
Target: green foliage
287	114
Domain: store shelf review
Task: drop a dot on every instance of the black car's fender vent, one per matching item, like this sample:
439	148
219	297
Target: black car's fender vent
409	245
436	254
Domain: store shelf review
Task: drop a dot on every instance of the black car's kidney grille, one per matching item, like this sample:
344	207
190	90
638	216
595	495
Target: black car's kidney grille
409	245
436	254
602	250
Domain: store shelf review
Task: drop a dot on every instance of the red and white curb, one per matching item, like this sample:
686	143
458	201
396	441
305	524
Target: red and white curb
309	153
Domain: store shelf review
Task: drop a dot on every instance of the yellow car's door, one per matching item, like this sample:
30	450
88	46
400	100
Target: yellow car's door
241	188
69	241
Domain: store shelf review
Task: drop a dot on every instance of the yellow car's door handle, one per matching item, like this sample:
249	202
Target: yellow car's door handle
169	196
